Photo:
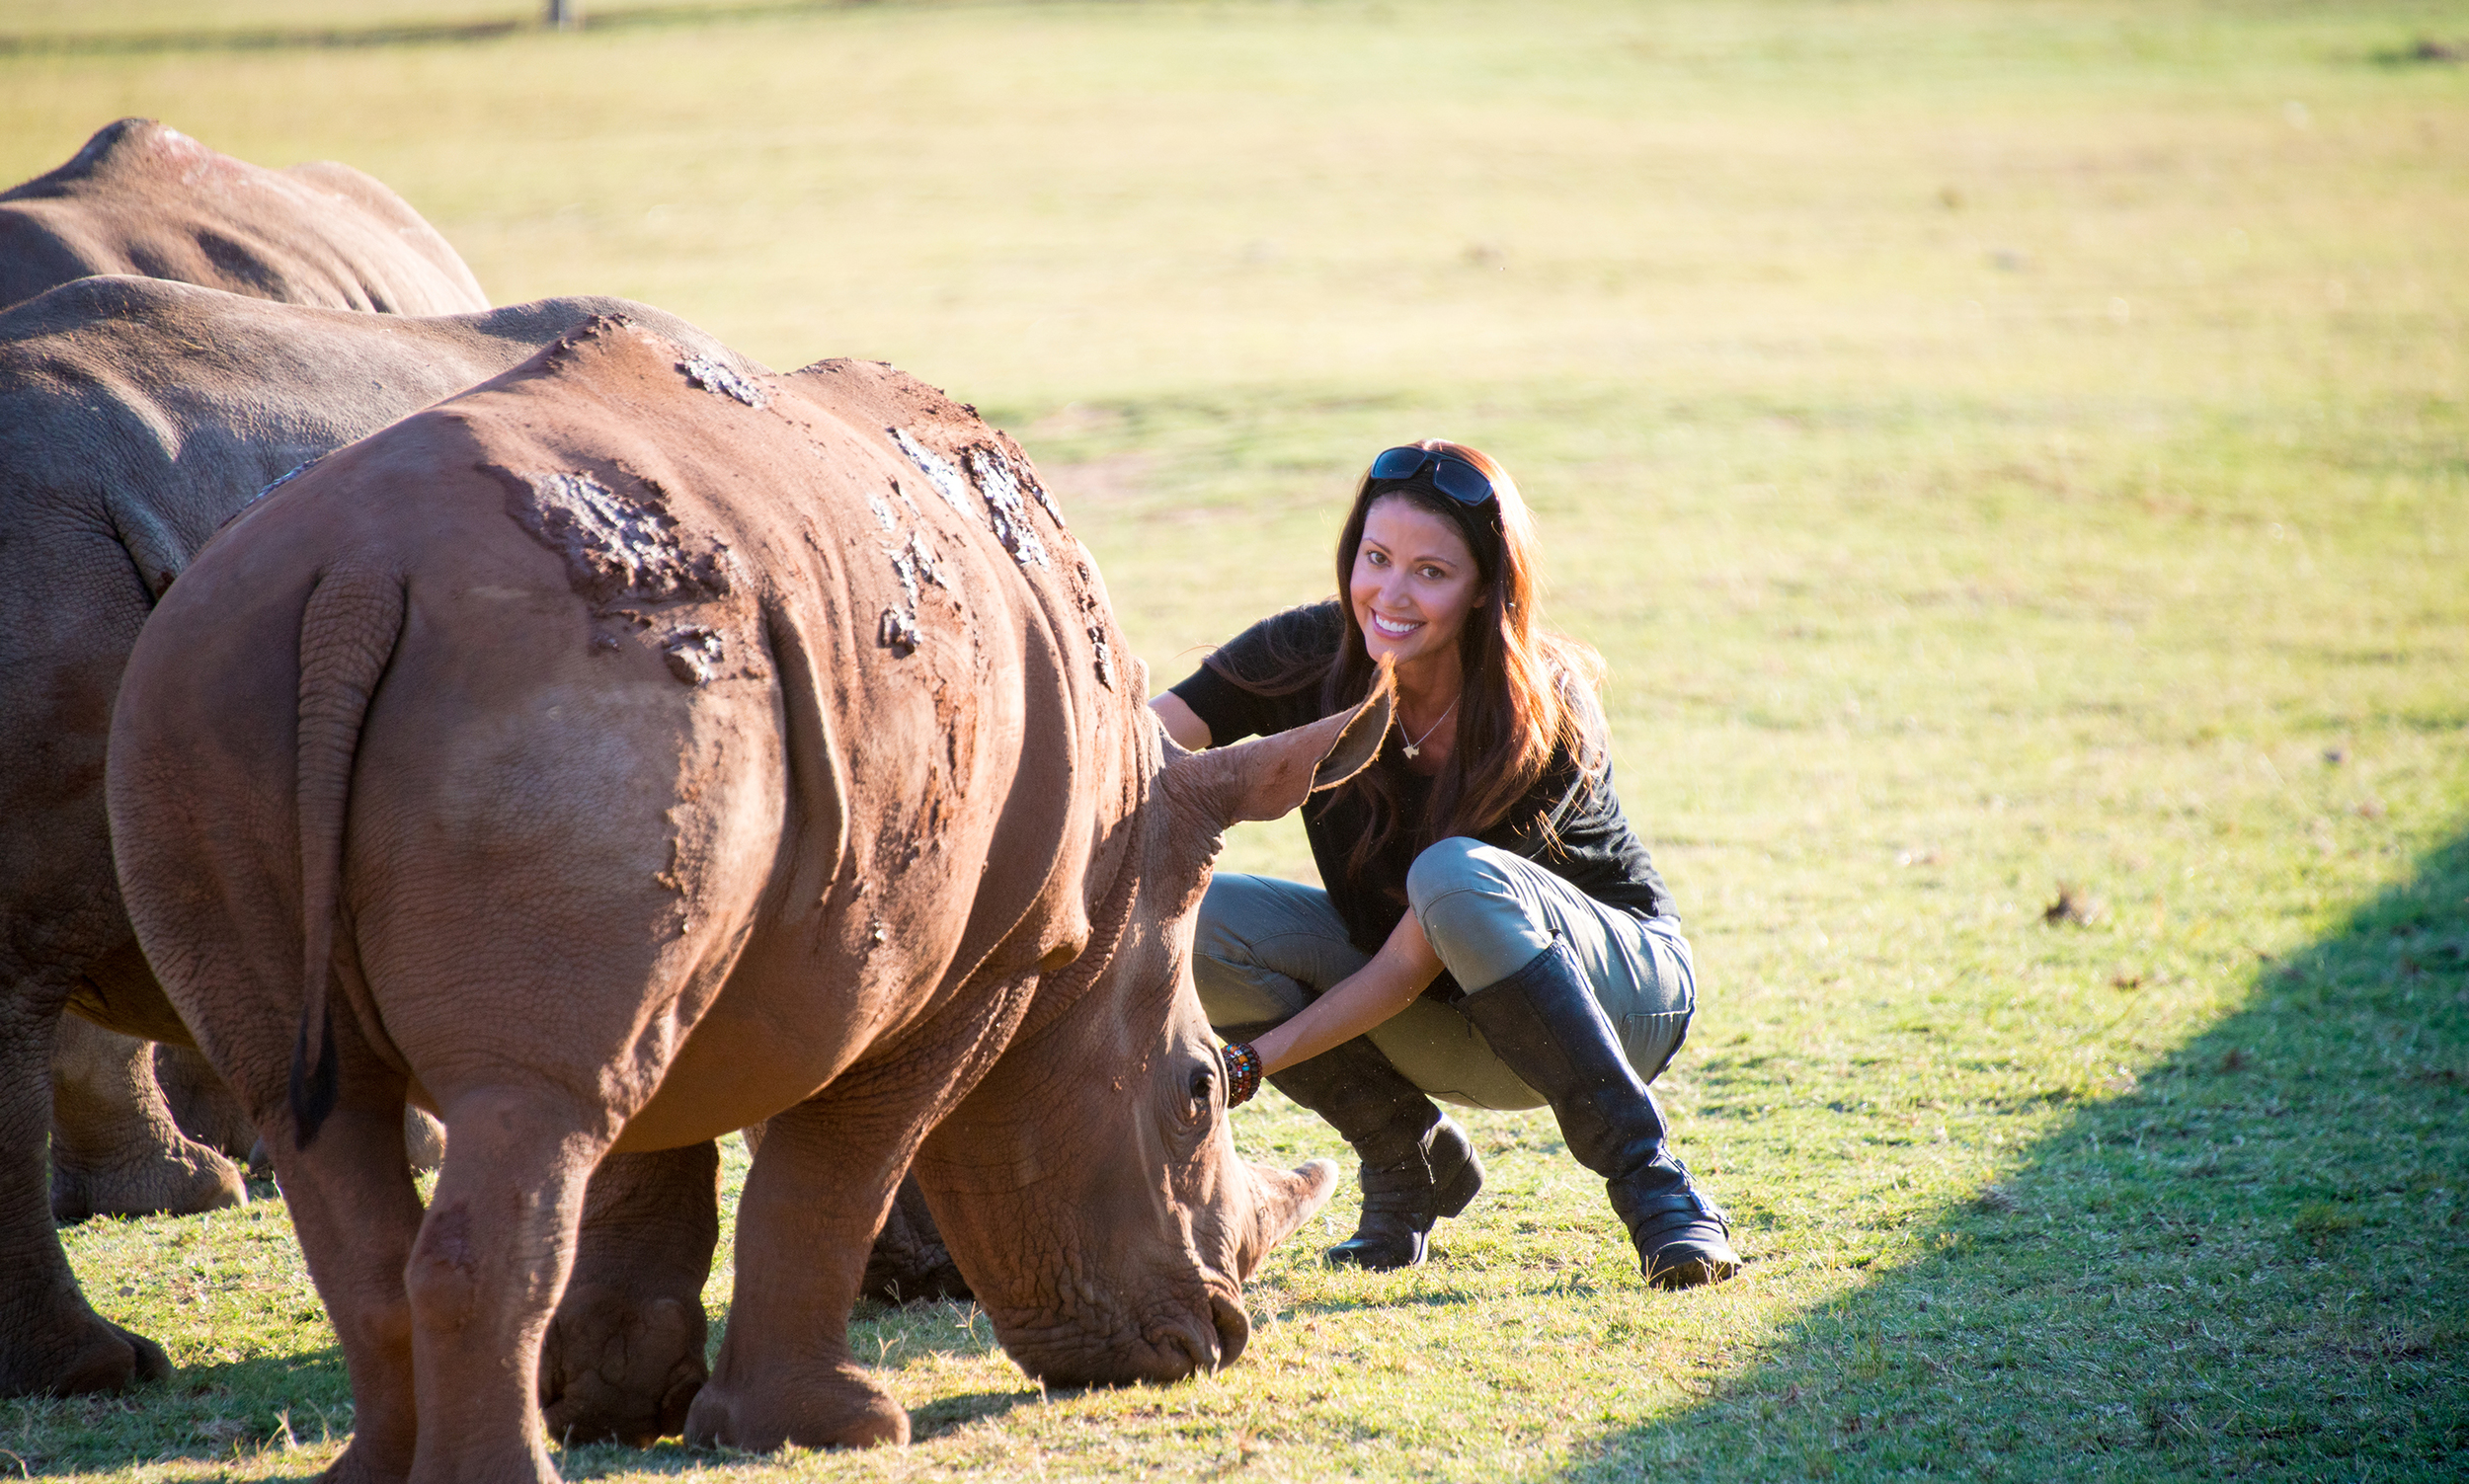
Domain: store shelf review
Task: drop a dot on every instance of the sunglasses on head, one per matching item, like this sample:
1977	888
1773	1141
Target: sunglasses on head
1450	475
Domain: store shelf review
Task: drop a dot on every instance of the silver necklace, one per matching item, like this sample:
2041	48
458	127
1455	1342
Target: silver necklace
1415	745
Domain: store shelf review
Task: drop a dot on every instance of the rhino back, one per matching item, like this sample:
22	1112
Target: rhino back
137	417
152	411
145	199
935	632
841	567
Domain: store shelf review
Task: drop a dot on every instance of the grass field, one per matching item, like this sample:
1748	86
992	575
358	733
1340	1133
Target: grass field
2009	453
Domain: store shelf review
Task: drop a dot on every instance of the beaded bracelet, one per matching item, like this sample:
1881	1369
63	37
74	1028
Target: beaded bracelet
1243	1074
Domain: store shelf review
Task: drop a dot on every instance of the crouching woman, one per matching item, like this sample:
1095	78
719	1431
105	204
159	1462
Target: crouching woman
1491	931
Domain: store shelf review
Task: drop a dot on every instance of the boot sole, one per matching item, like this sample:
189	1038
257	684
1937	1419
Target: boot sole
1692	1271
1341	1257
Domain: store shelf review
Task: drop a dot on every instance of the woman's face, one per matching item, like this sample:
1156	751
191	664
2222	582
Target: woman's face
1414	582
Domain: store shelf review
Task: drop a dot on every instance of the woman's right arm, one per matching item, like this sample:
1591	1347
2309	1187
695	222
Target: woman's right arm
1403	968
1184	724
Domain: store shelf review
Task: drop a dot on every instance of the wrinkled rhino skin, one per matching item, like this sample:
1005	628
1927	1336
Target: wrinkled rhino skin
200	1104
137	415
910	1262
205	1110
633	795
148	200
117	1148
624	1358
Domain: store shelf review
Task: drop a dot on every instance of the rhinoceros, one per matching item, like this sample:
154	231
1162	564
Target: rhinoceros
142	199
135	416
149	201
630	750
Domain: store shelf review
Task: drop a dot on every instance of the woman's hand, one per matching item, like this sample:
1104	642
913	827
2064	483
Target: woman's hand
1404	968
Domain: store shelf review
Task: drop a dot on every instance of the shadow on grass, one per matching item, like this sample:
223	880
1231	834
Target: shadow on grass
1431	1298
400	33
945	1413
2255	1263
214	1411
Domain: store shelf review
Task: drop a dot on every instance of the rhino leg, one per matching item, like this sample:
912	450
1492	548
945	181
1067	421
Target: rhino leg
51	1340
624	1356
204	1106
806	1224
910	1262
116	1148
424	1140
357	1213
209	1111
491	1259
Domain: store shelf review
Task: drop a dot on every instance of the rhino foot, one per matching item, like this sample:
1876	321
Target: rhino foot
837	1407
359	1465
177	1180
623	1356
79	1353
617	1369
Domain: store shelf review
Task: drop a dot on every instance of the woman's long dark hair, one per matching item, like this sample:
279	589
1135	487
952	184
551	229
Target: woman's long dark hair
1528	690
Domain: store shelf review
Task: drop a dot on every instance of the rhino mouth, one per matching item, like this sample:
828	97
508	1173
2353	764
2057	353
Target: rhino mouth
1232	1324
1198	1344
1198	1339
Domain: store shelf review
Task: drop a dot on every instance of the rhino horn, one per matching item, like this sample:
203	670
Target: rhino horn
1282	1200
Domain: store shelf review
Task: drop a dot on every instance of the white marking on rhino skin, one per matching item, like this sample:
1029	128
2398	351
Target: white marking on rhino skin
929	566
1105	655
713	376
938	470
281	480
912	560
1005	507
1029	479
905	567
693	655
883	516
617	545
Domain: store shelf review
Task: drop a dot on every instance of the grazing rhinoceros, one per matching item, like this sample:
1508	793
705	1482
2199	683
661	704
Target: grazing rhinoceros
144	199
135	417
630	750
141	199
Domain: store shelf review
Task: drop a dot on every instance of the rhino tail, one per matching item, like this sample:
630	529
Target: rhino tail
347	635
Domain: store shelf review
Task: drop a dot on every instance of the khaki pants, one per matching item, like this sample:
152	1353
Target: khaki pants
1265	948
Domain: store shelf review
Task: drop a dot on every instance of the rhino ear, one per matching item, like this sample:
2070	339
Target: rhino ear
1268	776
1359	739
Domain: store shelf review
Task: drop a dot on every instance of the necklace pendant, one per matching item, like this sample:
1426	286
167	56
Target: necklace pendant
1411	745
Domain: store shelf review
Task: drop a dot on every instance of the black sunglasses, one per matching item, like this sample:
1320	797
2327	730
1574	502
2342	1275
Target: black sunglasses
1450	475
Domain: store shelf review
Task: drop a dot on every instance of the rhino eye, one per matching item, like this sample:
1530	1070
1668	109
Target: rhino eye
1204	1084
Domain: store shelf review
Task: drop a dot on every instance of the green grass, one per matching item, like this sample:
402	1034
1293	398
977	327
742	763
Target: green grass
2001	449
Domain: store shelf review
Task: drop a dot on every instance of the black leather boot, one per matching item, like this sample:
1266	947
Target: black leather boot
1542	1022
1418	1166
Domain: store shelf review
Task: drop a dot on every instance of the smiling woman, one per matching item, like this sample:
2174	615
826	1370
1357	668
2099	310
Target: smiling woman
1493	932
